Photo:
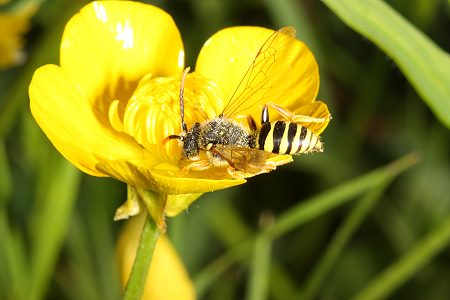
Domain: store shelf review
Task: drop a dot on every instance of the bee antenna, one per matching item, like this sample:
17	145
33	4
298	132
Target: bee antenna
183	77
173	137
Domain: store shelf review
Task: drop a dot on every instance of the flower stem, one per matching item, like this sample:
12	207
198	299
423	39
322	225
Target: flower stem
136	281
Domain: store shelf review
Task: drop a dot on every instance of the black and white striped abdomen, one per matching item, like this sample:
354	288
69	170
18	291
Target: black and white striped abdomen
287	138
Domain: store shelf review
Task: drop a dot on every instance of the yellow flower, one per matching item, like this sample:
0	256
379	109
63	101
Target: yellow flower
13	25
114	99
167	277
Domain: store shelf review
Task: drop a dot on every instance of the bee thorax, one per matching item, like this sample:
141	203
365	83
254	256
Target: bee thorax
222	132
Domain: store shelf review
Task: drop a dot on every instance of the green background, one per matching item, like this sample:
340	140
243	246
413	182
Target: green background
343	224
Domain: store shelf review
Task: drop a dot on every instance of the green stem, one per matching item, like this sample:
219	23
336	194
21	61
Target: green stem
144	253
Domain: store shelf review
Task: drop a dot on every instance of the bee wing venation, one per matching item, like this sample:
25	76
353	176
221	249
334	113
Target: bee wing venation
258	79
244	159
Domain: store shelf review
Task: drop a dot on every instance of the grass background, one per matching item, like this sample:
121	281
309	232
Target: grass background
336	225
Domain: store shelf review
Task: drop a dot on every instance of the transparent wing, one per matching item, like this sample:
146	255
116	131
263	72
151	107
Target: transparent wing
247	160
271	60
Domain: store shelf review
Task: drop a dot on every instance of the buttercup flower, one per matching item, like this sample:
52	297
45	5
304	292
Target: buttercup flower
167	277
13	24
114	99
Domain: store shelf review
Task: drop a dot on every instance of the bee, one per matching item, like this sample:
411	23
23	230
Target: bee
246	150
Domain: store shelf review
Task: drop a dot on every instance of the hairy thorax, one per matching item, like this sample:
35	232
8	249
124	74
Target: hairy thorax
220	131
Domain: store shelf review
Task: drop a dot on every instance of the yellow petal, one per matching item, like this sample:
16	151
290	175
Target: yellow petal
167	277
179	203
317	109
162	179
64	114
286	72
110	45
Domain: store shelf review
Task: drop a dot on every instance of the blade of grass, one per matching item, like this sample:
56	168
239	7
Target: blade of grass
408	265
50	220
98	216
282	286
258	284
13	261
340	240
302	213
231	228
324	202
424	64
210	273
5	176
225	221
82	280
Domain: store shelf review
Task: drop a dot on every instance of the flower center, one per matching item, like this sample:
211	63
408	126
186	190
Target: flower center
153	111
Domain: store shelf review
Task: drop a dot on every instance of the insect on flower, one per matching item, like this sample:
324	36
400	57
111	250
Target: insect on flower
247	150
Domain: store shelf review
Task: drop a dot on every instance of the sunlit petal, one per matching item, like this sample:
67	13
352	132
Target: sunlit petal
113	107
317	109
291	68
164	178
64	114
109	46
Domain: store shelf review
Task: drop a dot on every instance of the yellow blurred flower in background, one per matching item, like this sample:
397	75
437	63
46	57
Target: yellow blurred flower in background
167	278
13	25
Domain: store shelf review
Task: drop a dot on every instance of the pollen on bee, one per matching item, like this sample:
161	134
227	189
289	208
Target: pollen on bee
153	111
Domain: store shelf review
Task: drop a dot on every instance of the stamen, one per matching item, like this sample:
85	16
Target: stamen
153	112
113	115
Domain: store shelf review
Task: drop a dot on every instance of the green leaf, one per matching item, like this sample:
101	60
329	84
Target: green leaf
423	63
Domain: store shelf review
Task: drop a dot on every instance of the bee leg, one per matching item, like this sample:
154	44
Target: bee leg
269	166
290	116
250	122
234	173
198	165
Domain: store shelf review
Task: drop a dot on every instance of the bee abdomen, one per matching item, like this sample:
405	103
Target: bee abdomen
287	138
